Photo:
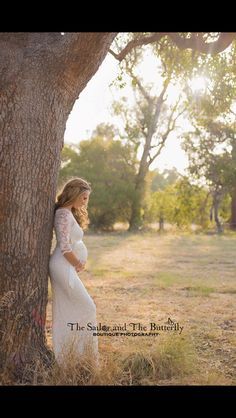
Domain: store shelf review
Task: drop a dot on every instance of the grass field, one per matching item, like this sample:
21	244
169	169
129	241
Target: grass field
150	277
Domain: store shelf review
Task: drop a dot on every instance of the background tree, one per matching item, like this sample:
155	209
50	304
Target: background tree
217	170
110	167
161	180
211	146
192	204
181	204
149	122
69	164
183	66
160	207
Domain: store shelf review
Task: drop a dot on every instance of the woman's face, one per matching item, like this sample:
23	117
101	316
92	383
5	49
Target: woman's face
82	200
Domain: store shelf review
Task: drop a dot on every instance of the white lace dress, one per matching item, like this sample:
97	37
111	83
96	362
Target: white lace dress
71	303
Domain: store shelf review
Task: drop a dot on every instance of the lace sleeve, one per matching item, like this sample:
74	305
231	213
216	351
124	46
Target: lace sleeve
62	229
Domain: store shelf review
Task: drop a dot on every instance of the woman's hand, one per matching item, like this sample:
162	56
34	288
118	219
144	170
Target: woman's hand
79	267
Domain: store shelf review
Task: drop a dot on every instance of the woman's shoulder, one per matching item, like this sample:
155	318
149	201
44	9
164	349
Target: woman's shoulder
63	213
63	208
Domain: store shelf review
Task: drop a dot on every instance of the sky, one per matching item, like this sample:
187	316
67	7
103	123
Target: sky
94	107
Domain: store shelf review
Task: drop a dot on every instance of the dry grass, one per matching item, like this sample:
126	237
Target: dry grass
175	357
150	277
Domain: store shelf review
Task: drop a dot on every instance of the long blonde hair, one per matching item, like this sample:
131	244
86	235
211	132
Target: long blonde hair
71	190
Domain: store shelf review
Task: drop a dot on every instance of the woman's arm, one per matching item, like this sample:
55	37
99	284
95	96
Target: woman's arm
74	260
63	227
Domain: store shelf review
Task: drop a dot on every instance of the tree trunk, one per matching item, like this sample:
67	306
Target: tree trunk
136	220
233	189
216	202
233	210
161	223
41	76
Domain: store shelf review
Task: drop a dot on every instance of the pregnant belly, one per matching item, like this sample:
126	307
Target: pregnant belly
80	251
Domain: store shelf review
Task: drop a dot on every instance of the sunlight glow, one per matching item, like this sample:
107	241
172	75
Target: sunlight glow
173	93
198	84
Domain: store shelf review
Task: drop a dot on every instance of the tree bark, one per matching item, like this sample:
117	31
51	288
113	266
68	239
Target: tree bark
41	76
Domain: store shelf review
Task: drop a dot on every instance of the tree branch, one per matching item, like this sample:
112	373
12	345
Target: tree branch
145	40
160	145
170	127
196	42
140	86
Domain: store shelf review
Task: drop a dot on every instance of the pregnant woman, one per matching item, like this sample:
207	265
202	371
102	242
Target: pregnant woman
72	306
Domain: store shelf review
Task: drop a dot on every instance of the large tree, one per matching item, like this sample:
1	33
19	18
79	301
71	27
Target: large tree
41	76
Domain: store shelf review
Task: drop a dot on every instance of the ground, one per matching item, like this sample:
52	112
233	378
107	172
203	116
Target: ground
150	277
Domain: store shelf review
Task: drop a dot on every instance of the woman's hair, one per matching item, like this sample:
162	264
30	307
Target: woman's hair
71	190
